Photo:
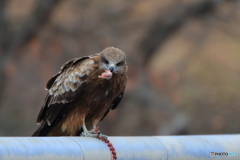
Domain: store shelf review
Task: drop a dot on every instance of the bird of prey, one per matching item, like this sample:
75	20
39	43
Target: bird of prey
82	93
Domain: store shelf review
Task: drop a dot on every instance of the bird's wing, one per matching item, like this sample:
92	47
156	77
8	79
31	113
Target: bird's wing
114	104
63	68
63	89
116	101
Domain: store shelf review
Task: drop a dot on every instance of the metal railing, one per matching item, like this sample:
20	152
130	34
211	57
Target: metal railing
199	147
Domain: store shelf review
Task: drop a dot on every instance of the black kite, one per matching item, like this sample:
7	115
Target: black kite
82	93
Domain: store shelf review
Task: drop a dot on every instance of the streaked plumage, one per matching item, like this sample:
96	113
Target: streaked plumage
83	92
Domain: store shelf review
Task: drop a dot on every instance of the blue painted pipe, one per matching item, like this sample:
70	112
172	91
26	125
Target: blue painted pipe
202	147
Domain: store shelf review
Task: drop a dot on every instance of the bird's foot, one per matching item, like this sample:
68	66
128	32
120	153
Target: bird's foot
102	136
88	134
94	133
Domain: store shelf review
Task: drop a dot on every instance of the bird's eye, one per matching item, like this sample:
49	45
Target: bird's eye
105	60
120	63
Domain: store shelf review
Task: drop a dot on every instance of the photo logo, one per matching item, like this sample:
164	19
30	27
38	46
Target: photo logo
213	154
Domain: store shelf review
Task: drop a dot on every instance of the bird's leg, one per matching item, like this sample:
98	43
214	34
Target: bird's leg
92	133
97	128
87	133
95	132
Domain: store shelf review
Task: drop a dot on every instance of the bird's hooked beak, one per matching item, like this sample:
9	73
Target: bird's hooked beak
111	67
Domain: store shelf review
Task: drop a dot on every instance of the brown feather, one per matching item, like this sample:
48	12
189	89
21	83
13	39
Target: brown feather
57	92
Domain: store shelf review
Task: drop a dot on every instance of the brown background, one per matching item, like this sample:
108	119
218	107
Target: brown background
183	57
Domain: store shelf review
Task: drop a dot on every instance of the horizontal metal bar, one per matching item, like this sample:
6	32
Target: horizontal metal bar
197	147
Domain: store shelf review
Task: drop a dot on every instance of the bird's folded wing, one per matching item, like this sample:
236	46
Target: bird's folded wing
64	87
115	103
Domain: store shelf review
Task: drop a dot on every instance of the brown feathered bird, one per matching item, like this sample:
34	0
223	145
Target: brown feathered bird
82	93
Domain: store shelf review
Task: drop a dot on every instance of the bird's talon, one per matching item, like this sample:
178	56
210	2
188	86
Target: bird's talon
103	136
83	134
91	131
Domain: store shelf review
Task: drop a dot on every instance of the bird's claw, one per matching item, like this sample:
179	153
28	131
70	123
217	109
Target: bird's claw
102	136
94	133
87	134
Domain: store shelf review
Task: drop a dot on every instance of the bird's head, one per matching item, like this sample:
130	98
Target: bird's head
114	60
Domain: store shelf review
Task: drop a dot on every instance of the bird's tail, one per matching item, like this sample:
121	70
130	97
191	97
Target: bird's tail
43	130
36	133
